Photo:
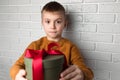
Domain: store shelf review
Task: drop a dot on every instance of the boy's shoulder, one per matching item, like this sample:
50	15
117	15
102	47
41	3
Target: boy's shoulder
39	41
68	42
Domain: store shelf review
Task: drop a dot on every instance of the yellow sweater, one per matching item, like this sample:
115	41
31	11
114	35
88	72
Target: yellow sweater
71	52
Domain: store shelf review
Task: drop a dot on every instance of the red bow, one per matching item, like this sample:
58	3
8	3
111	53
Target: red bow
37	56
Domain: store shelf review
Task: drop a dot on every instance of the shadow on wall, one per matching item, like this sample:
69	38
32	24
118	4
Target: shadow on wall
72	30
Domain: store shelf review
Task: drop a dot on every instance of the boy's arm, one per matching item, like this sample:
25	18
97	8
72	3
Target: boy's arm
77	59
19	64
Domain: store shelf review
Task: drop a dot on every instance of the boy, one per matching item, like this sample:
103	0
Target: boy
54	21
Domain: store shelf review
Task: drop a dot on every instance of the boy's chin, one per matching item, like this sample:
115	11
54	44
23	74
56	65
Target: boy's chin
54	37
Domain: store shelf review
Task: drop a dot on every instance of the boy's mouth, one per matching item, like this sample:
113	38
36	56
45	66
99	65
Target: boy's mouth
52	32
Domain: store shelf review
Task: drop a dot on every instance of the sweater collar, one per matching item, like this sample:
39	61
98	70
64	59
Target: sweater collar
60	42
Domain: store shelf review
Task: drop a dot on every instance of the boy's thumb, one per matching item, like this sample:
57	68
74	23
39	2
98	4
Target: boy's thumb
23	72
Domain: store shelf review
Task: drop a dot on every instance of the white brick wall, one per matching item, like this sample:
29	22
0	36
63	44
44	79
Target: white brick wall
94	26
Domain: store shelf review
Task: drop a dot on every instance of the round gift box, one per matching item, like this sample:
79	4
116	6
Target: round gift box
53	65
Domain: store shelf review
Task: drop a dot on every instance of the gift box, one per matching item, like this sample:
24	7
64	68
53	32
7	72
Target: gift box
44	65
52	67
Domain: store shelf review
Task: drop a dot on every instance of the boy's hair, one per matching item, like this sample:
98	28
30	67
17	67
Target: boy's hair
53	6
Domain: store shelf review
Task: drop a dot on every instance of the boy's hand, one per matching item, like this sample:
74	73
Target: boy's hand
72	73
21	75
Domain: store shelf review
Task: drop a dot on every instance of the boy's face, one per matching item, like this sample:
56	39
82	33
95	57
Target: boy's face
53	23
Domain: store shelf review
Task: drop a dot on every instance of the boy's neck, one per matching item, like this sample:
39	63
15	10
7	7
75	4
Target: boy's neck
54	39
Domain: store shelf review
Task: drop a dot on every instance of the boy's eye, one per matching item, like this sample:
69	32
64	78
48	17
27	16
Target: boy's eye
47	22
58	22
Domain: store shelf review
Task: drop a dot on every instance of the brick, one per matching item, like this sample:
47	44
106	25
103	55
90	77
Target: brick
4	72
15	17
102	74
99	18
25	25
37	26
115	75
25	40
7	33
40	2
36	9
84	45
115	48
75	8
5	68
4	17
4	60
16	47
73	1
36	34
24	33
108	66
84	8
77	26
63	1
89	8
19	2
90	63
12	53
36	17
30	26
116	58
99	1
8	9
4	2
24	9
22	47
9	25
75	17
5	42
72	35
19	17
96	37
117	39
15	33
4	78
118	18
109	8
108	28
97	55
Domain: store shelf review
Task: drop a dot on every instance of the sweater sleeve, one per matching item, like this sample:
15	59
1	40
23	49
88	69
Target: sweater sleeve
77	59
19	64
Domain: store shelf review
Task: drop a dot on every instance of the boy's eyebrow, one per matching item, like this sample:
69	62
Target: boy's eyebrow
56	19
59	18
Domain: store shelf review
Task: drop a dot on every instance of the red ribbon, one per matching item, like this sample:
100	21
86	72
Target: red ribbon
38	55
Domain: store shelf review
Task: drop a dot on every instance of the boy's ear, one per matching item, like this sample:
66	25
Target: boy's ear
66	23
66	20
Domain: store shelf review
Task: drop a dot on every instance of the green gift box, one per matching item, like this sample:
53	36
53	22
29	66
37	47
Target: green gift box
52	67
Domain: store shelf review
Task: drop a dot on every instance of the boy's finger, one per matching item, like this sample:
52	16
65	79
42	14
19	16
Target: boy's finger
70	76
68	70
23	72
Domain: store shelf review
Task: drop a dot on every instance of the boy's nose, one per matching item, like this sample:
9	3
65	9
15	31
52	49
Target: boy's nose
53	25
